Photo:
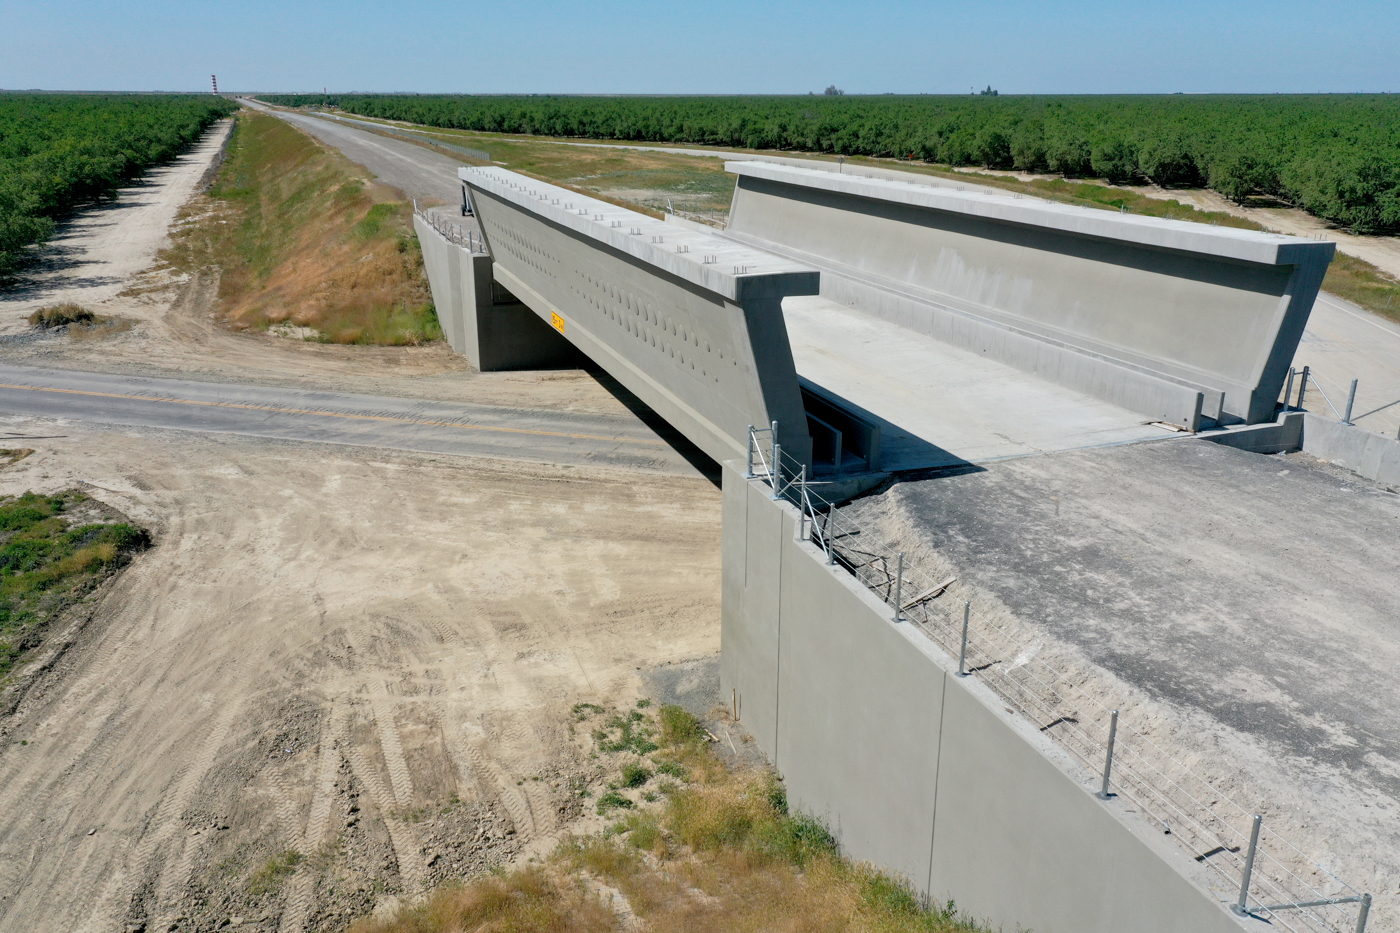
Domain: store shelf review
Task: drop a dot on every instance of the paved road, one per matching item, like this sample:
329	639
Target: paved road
340	418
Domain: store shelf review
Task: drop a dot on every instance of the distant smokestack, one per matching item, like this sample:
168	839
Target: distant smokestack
215	80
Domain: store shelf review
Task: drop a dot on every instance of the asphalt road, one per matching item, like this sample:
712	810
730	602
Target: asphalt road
450	428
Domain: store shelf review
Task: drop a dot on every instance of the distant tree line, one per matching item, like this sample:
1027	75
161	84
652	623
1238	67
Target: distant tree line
1337	156
58	151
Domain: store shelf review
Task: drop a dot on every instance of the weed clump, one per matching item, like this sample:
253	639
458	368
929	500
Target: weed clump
62	315
273	872
630	733
635	775
612	800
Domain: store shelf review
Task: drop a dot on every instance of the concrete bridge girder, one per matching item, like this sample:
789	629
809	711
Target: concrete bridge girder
689	322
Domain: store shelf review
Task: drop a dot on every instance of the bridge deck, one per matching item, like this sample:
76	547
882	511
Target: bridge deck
938	403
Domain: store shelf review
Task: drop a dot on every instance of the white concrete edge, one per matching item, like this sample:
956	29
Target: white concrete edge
705	259
1272	249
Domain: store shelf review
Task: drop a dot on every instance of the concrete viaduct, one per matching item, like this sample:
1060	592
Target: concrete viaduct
892	323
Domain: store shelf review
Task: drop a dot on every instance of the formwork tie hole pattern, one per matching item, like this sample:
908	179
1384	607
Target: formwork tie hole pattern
1131	770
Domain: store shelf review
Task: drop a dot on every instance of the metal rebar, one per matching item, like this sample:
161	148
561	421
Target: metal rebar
748	471
1351	402
1288	388
1363	913
1302	387
898	586
962	654
1108	755
1242	906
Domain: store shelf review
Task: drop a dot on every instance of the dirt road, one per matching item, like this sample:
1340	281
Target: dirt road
355	655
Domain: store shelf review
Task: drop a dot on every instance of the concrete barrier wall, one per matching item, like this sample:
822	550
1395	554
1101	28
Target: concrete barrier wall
917	770
1141	311
1372	455
689	322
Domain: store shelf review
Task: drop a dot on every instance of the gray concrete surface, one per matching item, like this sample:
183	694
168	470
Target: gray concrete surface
1259	591
923	773
1344	342
449	428
690	323
1139	310
1370	455
939	404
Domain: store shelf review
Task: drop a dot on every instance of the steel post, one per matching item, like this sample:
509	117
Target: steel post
773	436
899	587
1363	913
775	474
1108	755
1302	387
748	472
1288	388
1351	401
830	541
1242	906
962	653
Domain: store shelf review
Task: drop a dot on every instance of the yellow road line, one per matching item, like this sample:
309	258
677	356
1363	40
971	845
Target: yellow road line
334	414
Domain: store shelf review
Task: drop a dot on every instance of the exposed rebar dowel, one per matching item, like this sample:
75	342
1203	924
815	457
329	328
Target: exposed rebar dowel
748	470
898	586
1108	755
1302	387
1363	913
1288	388
1242	906
962	653
1351	402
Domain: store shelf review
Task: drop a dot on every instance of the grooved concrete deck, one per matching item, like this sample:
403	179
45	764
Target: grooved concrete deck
941	404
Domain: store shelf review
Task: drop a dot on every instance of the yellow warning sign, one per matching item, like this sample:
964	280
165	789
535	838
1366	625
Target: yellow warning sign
557	321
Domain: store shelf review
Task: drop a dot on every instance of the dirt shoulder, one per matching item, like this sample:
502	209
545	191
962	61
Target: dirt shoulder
361	658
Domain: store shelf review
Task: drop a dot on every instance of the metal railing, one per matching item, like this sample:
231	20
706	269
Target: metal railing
1378	406
1269	877
464	237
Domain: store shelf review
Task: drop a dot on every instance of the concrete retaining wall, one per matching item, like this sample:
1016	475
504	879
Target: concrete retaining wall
689	322
917	770
1140	311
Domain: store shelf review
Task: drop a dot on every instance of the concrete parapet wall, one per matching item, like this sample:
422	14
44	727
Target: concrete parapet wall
689	322
1372	455
1143	312
917	770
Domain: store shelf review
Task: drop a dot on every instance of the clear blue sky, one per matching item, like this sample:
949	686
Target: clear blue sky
702	46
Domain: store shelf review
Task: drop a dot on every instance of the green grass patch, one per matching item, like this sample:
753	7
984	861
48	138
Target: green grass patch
268	878
48	561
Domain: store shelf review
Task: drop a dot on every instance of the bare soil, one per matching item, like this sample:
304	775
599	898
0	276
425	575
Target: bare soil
364	658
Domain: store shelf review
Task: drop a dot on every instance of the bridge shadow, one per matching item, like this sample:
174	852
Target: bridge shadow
703	463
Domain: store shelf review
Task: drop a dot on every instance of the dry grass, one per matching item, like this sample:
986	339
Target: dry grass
300	236
716	852
81	323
